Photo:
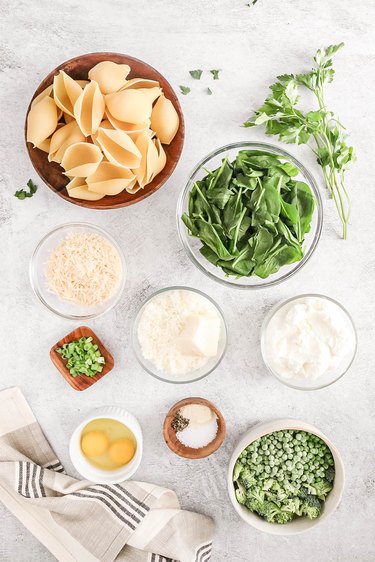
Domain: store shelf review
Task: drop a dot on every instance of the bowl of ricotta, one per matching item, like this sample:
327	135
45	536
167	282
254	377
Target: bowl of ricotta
179	335
308	341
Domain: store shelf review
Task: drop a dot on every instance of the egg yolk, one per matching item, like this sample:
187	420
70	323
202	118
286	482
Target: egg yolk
122	451
94	443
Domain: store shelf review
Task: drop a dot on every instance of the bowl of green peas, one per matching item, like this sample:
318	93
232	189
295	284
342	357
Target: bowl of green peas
285	477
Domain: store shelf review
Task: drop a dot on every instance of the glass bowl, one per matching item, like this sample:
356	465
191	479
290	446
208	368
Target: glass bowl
192	245
191	376
325	379
38	279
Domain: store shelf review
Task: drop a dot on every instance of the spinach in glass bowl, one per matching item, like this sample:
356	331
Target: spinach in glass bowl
251	214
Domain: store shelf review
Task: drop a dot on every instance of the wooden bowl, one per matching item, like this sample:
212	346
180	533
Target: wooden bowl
81	382
188	452
52	173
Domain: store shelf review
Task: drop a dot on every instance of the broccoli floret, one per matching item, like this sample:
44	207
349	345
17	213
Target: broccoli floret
267	484
330	474
237	470
322	488
311	506
293	490
254	505
292	505
283	517
247	478
312	512
256	494
240	494
313	501
269	511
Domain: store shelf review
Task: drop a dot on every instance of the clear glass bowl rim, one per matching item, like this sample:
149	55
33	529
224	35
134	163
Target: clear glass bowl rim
136	345
255	146
270	314
32	266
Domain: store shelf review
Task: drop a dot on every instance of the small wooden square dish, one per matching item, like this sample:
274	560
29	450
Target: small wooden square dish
81	382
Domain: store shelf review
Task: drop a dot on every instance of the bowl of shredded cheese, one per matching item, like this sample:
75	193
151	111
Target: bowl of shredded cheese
179	335
78	271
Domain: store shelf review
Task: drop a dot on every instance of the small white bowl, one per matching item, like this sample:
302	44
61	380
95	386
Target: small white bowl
300	524
90	472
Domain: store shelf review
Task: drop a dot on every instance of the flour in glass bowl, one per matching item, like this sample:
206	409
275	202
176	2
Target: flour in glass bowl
160	326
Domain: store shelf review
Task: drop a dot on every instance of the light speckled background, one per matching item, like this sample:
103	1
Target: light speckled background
251	45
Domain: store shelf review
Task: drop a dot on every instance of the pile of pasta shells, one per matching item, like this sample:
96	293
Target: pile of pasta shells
106	132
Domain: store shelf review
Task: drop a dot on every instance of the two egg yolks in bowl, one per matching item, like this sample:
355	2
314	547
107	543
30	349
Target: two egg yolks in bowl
108	444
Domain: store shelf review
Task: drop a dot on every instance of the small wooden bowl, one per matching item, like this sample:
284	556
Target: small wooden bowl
52	173
81	382
188	452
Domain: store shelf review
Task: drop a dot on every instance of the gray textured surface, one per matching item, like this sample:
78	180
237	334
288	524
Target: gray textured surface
251	45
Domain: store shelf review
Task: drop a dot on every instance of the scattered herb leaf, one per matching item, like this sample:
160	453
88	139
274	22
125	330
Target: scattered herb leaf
251	215
196	74
215	73
23	194
209	92
185	90
281	117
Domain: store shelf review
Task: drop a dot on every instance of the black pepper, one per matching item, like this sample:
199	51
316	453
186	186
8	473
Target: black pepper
179	423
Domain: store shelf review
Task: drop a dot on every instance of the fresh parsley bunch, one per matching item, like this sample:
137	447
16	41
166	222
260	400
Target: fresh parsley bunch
281	117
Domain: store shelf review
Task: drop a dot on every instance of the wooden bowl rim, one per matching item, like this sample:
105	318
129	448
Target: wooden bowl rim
190	452
60	365
141	194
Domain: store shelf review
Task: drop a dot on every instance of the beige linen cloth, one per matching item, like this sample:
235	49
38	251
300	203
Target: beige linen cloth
86	522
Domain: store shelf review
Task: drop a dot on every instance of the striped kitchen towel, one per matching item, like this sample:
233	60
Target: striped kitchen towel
83	521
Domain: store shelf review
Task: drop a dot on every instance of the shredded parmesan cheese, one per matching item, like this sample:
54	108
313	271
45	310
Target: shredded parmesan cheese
84	268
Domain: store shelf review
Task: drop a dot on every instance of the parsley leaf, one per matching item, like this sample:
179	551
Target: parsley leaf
209	92
23	194
184	90
215	73
281	117
196	74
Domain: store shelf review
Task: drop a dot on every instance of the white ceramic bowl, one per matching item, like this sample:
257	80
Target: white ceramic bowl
90	472
301	524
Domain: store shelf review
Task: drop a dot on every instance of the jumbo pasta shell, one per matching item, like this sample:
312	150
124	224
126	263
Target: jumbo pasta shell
66	91
118	147
41	121
89	109
129	128
152	93
110	179
62	138
109	76
78	189
46	92
164	120
137	83
162	157
45	145
129	106
145	172
81	159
